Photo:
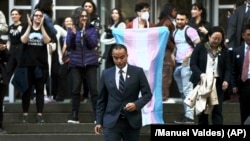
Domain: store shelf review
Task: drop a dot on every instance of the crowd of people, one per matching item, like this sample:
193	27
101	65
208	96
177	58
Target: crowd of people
65	60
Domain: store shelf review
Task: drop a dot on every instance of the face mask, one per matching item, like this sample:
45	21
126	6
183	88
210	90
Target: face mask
145	16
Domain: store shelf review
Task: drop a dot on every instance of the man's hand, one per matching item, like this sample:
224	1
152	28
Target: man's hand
130	107
224	85
186	60
3	47
98	129
235	90
226	42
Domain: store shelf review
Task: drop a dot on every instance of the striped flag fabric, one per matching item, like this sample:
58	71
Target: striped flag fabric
146	48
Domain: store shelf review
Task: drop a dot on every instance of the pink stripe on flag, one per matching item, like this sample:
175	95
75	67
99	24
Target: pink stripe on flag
146	49
130	43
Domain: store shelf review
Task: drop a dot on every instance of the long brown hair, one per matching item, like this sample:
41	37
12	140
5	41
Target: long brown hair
76	16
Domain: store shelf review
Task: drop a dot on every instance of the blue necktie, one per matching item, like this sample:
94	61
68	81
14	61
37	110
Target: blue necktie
121	82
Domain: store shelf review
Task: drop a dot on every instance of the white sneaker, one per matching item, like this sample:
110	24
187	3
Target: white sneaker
169	101
48	99
73	121
33	101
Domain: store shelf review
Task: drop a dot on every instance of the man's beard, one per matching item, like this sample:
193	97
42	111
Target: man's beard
180	27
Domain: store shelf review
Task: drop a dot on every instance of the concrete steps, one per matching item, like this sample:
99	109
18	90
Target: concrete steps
55	127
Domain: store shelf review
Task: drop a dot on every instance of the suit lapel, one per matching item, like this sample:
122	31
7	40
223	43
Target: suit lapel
128	76
242	54
112	78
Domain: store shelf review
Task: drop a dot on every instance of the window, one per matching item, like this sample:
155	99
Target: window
22	2
61	15
69	2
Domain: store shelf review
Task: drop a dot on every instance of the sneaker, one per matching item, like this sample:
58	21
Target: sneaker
169	101
185	120
24	119
73	121
48	99
33	101
39	119
2	131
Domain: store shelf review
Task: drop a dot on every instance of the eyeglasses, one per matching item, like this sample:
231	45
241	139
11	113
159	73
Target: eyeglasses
37	15
82	16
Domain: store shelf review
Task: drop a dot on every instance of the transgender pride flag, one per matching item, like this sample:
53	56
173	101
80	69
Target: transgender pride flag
146	48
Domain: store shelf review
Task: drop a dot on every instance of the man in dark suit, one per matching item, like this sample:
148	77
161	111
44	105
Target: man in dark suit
239	19
119	112
240	85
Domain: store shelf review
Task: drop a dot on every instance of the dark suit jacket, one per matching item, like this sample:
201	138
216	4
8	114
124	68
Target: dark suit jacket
110	102
236	25
198	64
238	59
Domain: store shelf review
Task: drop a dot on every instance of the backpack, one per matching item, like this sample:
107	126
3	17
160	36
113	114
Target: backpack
189	41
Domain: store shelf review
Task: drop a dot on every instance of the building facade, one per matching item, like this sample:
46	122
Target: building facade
216	10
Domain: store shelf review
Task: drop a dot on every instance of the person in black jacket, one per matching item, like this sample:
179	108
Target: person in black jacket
14	45
3	59
34	62
118	109
241	74
199	20
211	57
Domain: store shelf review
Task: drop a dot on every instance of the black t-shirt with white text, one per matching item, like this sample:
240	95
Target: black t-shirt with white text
35	51
15	34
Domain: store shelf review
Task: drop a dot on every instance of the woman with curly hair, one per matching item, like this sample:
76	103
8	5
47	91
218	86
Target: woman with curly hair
81	40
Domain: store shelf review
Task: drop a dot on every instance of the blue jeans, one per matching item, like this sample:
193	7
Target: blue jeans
182	75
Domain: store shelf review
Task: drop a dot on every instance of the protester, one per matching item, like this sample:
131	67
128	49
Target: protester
64	83
82	39
3	60
142	17
199	20
95	20
14	44
166	18
33	69
182	72
116	21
